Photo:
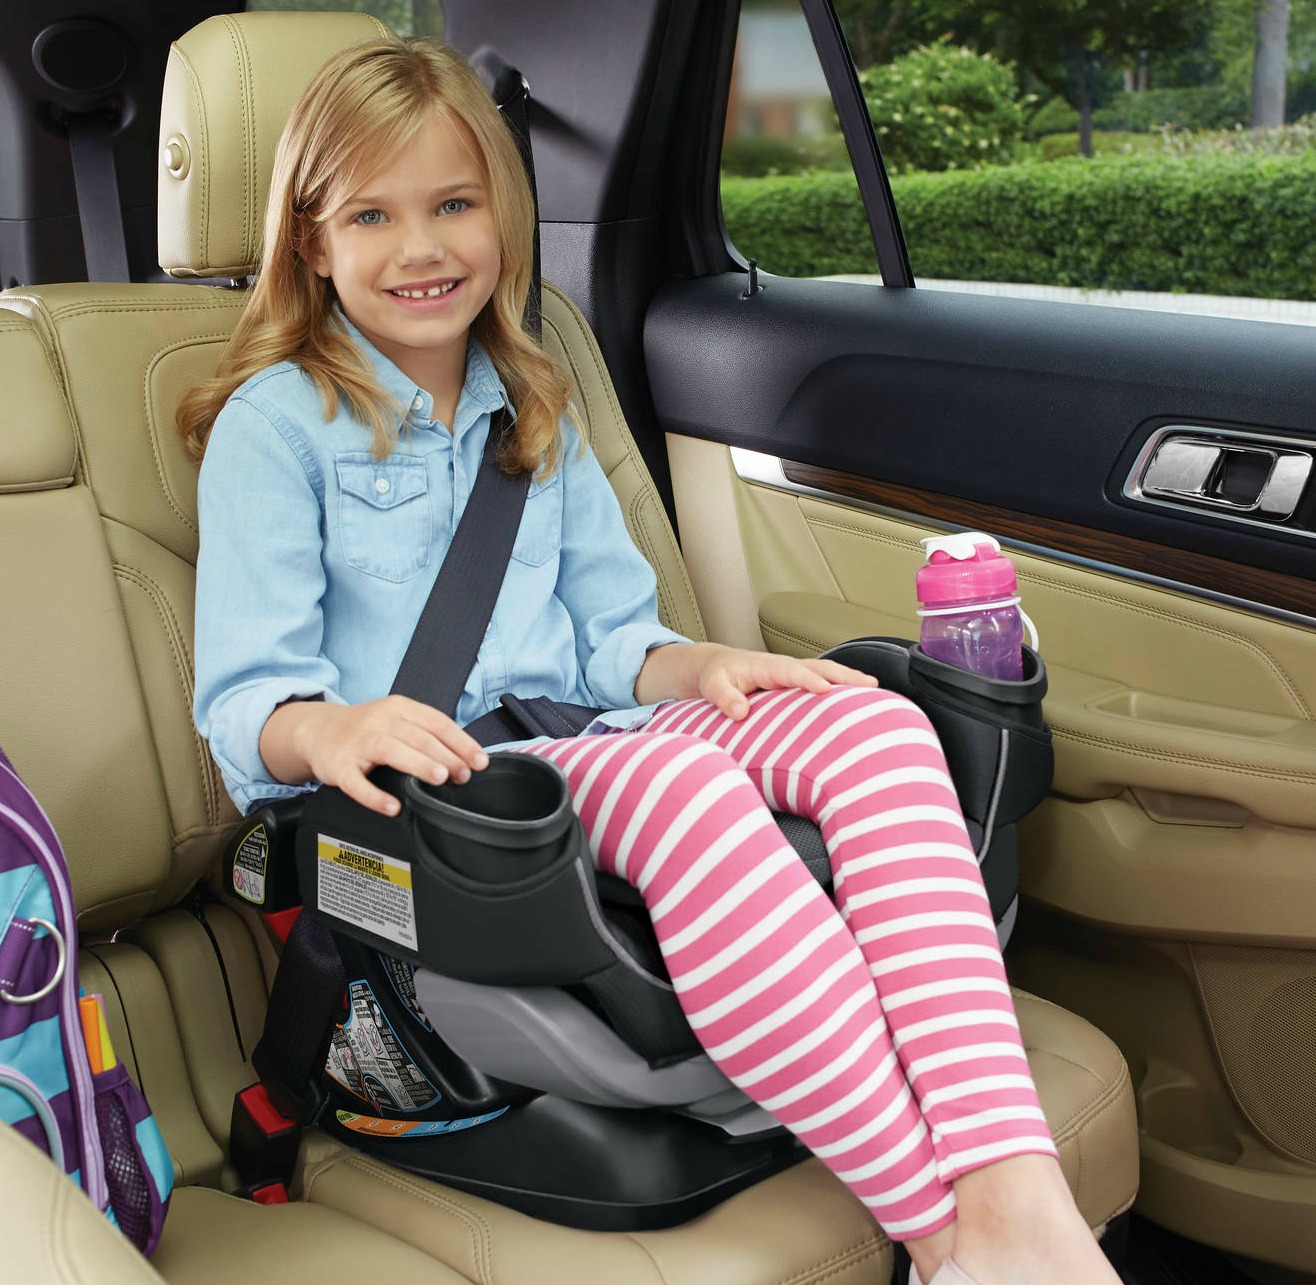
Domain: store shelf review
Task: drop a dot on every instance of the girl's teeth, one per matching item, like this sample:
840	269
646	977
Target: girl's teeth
432	293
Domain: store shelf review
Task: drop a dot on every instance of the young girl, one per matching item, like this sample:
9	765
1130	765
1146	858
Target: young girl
341	439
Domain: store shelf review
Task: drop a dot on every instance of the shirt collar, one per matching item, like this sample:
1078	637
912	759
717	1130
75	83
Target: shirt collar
482	392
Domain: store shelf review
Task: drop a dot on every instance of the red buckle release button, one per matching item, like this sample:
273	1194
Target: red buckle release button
268	1118
272	1193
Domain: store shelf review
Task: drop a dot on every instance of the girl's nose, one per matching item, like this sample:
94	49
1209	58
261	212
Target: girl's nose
421	242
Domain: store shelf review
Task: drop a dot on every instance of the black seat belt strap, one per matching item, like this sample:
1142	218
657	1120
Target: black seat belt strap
97	184
511	91
299	1022
442	651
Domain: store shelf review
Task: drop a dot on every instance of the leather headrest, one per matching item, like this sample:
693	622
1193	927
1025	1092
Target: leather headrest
37	451
230	86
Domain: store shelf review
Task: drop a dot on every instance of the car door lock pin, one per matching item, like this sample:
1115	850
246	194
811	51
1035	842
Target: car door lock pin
752	286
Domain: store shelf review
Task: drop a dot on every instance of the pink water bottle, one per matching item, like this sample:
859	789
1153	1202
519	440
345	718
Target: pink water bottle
969	605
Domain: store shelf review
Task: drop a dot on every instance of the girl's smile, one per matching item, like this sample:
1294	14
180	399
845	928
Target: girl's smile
425	291
413	255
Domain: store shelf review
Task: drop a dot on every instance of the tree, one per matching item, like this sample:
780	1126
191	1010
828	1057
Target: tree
1270	65
1069	46
879	30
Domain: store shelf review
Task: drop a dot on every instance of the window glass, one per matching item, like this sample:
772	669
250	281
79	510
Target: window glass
789	196
406	17
1156	155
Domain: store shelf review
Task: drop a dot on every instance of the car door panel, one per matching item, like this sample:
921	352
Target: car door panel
1169	879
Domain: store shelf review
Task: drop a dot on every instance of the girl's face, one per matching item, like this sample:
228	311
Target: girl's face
414	257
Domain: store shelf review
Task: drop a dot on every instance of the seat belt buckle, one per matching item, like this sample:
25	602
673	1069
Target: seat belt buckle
263	1144
270	1193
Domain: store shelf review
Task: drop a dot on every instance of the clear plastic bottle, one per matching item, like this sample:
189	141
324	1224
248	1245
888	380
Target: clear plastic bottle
969	605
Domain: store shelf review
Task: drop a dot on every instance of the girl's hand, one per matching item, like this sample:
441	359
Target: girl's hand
339	744
728	679
726	676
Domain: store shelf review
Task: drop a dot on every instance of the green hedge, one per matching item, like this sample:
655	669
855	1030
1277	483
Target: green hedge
1193	107
1213	224
757	155
1058	147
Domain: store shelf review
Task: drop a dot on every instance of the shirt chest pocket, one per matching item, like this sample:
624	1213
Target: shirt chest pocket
539	536
384	514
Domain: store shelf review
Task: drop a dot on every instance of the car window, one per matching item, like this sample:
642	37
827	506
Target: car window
789	196
406	17
1166	163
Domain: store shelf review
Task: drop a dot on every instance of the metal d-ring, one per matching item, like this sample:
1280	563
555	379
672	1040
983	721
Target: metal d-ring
60	963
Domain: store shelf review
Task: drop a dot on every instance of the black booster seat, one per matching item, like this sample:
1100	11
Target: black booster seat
494	978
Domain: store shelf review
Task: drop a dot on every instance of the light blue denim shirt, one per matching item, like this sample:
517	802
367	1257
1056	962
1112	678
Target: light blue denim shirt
316	560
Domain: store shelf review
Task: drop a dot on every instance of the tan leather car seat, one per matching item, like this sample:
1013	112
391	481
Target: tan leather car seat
98	532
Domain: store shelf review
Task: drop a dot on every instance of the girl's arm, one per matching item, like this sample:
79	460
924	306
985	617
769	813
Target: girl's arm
726	676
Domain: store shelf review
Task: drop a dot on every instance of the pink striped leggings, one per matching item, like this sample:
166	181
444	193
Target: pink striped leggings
883	1036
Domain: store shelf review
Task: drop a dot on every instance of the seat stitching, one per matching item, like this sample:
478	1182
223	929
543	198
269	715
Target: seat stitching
480	1232
1098	1105
173	636
860	1250
43	325
107	306
199	106
248	163
642	538
1179	756
812	644
674	584
179	512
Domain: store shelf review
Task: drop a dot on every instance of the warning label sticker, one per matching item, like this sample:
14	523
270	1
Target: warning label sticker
365	888
367	1059
250	863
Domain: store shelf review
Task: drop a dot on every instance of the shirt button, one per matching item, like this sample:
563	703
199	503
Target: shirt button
381	485
417	402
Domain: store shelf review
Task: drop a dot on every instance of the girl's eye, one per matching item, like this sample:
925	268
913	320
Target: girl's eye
453	205
368	218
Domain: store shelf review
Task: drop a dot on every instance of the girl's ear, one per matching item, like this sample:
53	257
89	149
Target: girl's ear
312	253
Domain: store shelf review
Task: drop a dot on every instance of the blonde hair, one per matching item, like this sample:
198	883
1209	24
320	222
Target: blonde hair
364	105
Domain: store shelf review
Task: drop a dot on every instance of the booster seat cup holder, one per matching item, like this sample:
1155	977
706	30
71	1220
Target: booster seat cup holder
488	882
507	822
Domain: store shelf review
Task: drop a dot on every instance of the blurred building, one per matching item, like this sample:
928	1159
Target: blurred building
777	86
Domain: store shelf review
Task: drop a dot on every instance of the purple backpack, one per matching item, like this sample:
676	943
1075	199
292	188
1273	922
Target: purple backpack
95	1126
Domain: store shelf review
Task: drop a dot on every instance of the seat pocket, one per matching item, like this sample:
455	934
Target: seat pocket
384	514
539	536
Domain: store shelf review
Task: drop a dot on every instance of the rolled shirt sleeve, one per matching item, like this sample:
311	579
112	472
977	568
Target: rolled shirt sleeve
260	581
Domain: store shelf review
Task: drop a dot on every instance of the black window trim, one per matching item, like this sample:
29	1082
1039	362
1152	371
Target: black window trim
861	142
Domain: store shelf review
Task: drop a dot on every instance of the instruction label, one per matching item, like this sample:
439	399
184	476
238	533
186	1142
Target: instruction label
365	888
410	1128
367	1059
402	977
250	864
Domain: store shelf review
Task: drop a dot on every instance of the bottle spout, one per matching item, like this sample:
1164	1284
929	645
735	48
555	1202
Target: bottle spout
962	546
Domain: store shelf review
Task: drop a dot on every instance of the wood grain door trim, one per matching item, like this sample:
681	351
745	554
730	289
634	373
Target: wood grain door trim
1212	576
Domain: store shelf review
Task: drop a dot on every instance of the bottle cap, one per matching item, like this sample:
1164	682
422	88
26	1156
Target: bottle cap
966	567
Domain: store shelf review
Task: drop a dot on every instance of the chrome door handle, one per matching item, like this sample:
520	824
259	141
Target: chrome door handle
1248	475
